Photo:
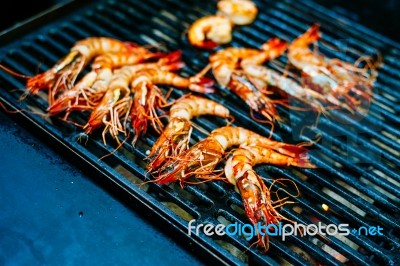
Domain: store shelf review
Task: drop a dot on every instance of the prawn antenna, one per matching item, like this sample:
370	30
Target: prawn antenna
12	72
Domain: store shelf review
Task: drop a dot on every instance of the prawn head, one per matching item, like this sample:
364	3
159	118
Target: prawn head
257	203
199	161
173	140
66	70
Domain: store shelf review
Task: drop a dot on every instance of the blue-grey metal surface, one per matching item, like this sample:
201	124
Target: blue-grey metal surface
53	214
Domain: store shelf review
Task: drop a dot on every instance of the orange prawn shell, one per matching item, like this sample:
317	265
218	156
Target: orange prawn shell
65	72
255	194
209	31
240	12
342	84
201	159
176	135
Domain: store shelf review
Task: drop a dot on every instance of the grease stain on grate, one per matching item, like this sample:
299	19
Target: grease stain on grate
330	250
354	191
178	211
236	252
343	201
131	177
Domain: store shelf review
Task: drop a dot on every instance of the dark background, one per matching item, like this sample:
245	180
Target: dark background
381	16
14	11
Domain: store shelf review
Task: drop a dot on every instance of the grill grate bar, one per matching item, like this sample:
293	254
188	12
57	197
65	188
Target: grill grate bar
342	131
77	32
337	245
354	152
343	212
64	37
385	113
387	77
360	240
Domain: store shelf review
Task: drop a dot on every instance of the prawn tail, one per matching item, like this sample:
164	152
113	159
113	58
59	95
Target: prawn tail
175	66
209	45
300	155
275	46
202	85
173	61
313	34
173	57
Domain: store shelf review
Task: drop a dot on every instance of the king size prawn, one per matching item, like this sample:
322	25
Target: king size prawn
91	88
342	84
176	135
116	101
201	159
210	31
255	194
240	12
65	72
148	97
229	68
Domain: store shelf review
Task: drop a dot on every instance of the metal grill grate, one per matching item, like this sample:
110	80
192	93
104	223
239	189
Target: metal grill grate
358	176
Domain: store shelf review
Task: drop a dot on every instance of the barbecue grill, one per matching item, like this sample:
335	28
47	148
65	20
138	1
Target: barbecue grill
358	161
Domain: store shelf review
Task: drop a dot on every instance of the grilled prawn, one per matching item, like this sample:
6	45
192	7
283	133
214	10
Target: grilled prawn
240	12
116	101
230	70
201	159
65	72
255	194
89	91
148	97
226	61
210	31
262	77
342	84
176	135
